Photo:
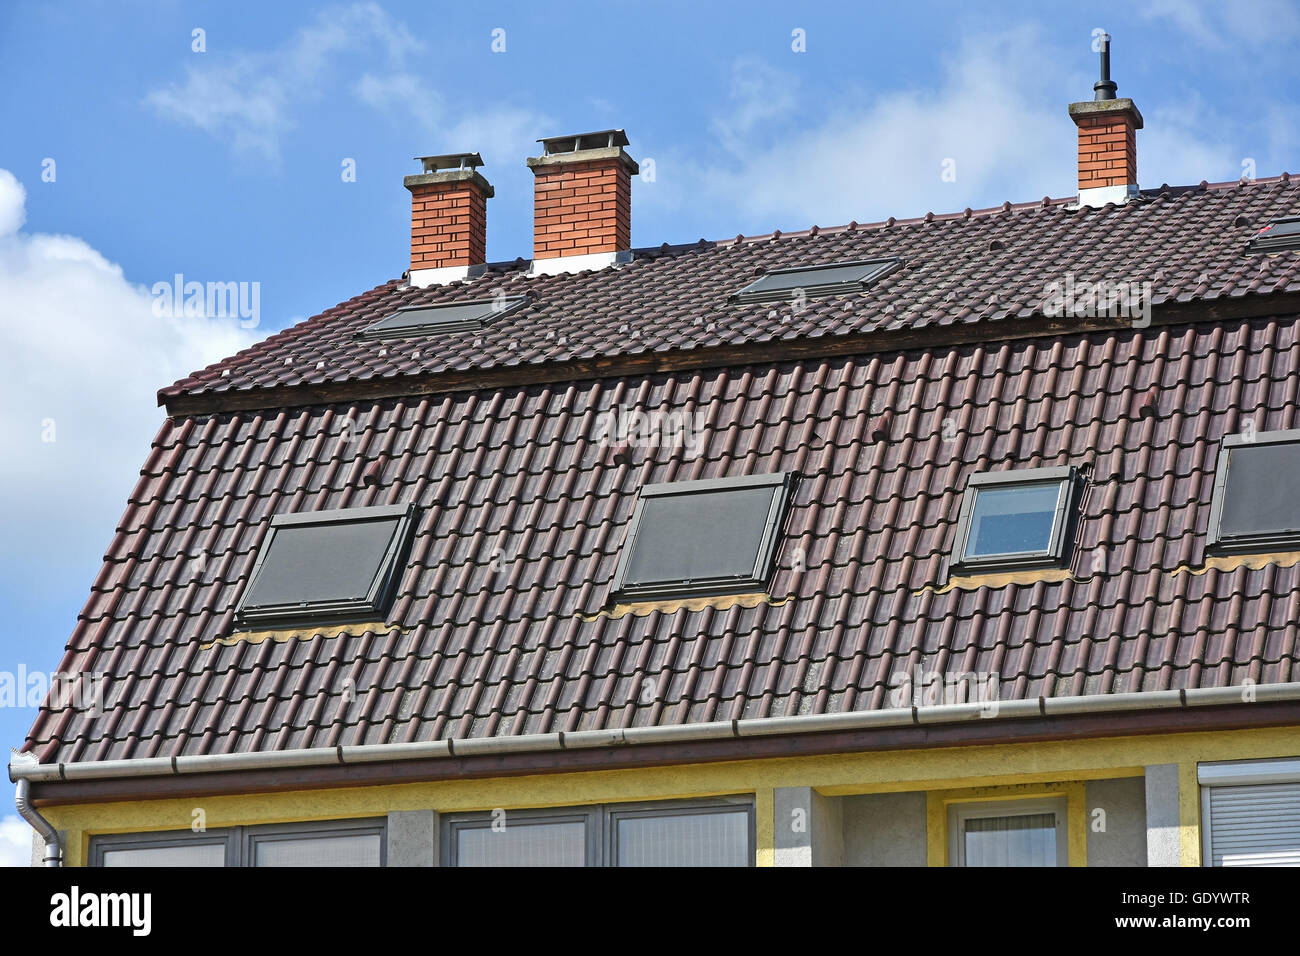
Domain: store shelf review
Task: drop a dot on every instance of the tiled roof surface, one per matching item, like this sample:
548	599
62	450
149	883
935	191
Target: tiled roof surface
967	268
523	512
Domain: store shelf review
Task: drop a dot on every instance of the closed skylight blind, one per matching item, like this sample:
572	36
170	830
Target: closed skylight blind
832	278
442	318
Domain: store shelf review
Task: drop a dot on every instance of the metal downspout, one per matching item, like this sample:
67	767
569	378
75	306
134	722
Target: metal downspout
22	800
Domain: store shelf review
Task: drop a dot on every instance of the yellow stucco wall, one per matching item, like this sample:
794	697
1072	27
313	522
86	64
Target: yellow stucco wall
1033	769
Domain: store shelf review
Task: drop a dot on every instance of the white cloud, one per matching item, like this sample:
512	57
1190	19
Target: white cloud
247	98
1217	25
1188	17
789	161
497	133
13	202
786	158
1184	144
84	356
759	95
15	841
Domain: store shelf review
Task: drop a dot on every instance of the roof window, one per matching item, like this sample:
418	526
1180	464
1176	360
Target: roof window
1255	505
835	278
1278	235
1015	519
716	536
328	566
448	317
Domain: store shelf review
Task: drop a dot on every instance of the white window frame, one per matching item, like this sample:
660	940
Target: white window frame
959	813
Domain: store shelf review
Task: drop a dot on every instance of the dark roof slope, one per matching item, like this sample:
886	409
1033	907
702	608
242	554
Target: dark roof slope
496	629
964	269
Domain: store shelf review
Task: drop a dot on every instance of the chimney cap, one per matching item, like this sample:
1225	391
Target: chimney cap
1121	105
434	164
601	139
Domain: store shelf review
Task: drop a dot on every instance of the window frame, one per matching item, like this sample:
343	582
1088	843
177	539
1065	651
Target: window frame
601	822
240	841
1067	477
1215	541
452	825
679	808
1263	242
100	844
385	582
269	833
886	264
783	485
373	333
959	813
1259	772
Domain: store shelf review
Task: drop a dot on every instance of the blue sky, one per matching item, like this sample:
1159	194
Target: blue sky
131	157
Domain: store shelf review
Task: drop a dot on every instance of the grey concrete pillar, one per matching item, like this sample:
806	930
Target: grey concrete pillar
809	828
1163	835
413	838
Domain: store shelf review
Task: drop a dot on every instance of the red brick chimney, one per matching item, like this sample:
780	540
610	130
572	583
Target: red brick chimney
582	202
448	218
1107	141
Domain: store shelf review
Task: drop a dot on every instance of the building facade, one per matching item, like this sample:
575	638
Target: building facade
964	540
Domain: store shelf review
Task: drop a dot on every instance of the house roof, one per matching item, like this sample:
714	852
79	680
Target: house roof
961	274
502	624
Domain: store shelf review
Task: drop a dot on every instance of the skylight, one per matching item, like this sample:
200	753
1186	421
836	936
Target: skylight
834	278
1015	519
1255	505
328	565
716	536
449	317
1278	235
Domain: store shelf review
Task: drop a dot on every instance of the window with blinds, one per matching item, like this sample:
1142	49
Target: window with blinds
1253	508
715	832
332	843
516	838
1028	832
1253	825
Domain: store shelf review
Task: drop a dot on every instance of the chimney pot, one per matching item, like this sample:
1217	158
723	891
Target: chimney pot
1105	88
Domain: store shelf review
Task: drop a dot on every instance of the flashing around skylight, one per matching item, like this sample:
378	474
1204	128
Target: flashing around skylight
1279	235
442	317
1014	520
831	278
1256	506
715	536
328	567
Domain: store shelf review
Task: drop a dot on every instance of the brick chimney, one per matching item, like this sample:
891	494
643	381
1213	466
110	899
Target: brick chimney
448	218
582	202
1107	141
